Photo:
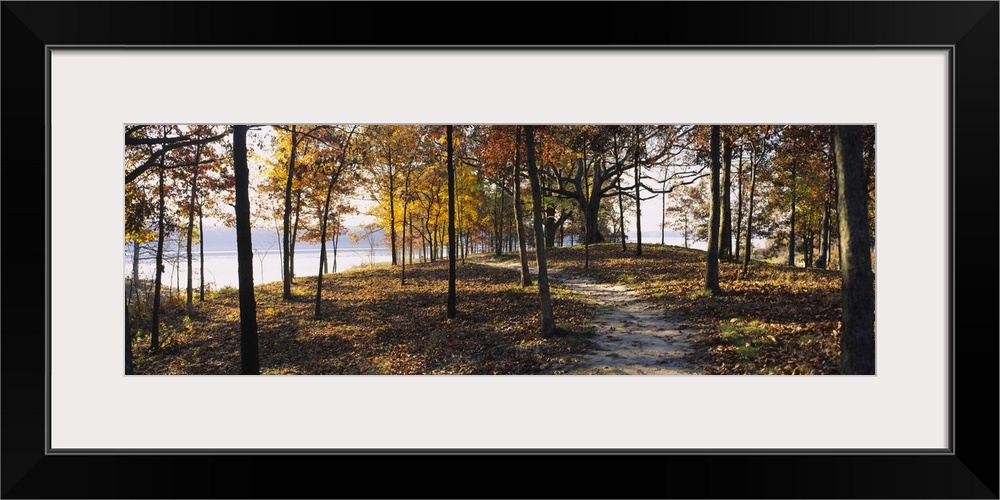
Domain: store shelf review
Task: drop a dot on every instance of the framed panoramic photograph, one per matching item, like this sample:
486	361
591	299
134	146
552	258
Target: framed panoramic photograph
455	199
730	257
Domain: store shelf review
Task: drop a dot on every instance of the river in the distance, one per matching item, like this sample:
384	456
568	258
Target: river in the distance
221	266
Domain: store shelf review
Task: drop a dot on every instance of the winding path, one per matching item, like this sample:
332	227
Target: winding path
633	336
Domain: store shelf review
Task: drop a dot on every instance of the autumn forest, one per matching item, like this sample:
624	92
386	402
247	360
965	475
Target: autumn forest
507	249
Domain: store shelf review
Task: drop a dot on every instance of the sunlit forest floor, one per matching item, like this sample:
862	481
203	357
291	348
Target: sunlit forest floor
776	320
372	325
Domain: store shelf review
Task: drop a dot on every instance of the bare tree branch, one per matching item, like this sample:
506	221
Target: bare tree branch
157	156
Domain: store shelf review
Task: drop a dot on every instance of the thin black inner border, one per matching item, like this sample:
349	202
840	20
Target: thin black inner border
949	450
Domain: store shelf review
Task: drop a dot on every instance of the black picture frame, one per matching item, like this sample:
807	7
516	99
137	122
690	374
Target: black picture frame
969	471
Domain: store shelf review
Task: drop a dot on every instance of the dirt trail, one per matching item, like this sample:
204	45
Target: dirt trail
633	336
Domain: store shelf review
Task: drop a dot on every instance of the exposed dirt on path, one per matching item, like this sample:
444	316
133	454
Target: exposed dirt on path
633	336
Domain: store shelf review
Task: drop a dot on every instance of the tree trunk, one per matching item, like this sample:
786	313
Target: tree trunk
824	241
249	355
663	210
621	213
687	231
190	235
392	211
458	231
586	216
592	208
177	266
432	242
324	220
402	234
519	211
739	205
638	203
336	241
550	227
857	337
726	244
294	237
286	290
840	250
128	342
281	254
452	308
154	339
201	255
423	245
810	236
591	216
824	255
442	232
791	226
500	228
548	320
712	269
495	237
135	269
749	229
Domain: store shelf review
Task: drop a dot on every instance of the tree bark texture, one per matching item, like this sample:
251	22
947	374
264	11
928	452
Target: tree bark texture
857	336
522	244
548	320
712	267
452	307
726	243
249	355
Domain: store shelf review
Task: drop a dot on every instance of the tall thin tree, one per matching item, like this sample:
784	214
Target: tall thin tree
586	185
190	229
519	211
334	176
249	354
712	268
638	198
749	225
791	223
154	338
201	254
621	209
739	206
403	240
857	337
286	249
663	209
828	197
726	241
548	320
128	340
452	308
